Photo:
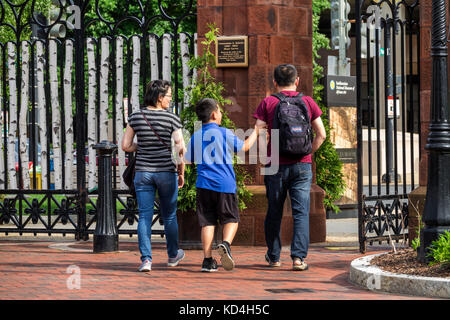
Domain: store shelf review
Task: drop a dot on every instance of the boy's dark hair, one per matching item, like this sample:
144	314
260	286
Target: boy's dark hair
154	90
285	75
204	108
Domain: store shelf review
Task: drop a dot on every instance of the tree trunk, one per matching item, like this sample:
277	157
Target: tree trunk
119	109
104	70
2	131
42	111
167	57
184	48
23	115
91	137
12	130
68	116
56	113
135	74
154	71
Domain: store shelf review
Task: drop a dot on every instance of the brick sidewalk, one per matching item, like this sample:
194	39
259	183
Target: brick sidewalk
39	270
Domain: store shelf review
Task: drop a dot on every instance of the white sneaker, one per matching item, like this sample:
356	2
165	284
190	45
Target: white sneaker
173	262
146	266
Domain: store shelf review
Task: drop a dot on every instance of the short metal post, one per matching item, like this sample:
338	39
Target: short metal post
106	238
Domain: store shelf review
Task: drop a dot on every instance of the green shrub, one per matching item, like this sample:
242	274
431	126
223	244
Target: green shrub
329	173
440	250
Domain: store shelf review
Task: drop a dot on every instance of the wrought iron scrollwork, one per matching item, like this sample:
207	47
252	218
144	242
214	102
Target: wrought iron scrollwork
8	211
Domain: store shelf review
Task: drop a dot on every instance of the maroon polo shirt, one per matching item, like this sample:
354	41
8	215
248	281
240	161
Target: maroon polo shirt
266	111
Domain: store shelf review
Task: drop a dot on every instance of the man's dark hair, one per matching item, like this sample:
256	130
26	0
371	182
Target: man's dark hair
155	89
285	75
204	108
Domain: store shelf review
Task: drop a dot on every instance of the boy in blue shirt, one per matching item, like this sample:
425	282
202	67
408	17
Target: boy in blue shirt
212	148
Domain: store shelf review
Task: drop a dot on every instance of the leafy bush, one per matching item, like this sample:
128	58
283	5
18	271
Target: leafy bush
206	86
329	173
440	250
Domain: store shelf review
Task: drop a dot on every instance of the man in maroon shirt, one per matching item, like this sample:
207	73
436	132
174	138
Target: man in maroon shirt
294	175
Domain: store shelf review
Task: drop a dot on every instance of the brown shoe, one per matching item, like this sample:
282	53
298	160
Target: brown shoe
272	263
299	265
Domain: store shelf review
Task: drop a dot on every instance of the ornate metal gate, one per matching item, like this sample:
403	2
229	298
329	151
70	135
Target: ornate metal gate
61	94
388	131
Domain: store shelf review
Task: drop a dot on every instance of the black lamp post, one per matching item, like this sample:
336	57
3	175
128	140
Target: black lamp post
436	215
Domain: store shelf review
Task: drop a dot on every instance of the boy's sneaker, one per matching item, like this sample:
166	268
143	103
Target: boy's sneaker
299	264
225	256
173	262
209	265
145	266
272	263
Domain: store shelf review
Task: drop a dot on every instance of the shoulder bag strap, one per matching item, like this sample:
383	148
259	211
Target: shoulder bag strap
157	135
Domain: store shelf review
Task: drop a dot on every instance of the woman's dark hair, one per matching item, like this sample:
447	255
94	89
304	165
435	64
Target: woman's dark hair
204	108
155	89
285	75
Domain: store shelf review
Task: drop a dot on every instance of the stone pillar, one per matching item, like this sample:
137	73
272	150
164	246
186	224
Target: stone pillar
279	31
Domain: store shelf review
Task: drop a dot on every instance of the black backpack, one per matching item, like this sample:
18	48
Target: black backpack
295	132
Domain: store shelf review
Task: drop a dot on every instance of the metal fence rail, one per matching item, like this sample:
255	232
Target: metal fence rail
388	116
61	95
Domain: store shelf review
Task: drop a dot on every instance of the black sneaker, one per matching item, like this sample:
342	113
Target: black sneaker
225	256
209	265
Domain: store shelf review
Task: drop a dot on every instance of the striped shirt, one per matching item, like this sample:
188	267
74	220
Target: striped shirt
152	155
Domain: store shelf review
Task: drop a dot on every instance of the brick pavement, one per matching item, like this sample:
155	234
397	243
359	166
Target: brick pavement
38	269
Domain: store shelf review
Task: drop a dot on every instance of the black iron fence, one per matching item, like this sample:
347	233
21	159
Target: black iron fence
68	81
388	64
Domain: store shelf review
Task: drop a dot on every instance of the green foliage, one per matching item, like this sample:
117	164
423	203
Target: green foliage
113	11
440	250
16	25
415	243
206	86
329	173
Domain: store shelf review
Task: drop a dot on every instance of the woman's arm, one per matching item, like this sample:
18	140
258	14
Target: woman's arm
180	150
127	142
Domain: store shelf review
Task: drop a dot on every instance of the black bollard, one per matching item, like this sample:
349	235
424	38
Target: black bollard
106	238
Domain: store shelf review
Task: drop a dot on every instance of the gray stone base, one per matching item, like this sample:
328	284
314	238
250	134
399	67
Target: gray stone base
364	274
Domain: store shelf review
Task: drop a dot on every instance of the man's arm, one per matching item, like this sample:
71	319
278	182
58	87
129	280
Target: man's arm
321	134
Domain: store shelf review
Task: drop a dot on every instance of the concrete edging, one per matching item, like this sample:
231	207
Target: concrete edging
364	274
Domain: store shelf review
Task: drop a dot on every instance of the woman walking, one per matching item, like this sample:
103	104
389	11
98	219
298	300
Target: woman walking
156	169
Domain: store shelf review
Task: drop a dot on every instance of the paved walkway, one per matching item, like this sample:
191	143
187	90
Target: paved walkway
60	268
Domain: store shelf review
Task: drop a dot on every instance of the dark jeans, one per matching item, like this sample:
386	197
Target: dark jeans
295	178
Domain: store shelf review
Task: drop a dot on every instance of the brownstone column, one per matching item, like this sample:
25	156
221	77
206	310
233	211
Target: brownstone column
279	31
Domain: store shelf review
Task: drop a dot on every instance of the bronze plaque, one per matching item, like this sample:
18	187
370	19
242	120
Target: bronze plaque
232	51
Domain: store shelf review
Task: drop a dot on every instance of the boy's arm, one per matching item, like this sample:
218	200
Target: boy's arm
248	143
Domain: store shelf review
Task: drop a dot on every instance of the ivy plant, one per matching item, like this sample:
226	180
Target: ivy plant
206	86
329	168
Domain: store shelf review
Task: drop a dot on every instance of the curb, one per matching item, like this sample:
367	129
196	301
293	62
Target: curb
364	274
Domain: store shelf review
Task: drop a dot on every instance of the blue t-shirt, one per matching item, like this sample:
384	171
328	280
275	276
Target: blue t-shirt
212	148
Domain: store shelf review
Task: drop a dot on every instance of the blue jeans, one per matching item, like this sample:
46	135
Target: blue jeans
146	184
295	178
